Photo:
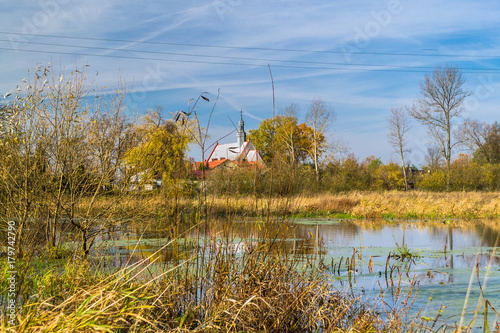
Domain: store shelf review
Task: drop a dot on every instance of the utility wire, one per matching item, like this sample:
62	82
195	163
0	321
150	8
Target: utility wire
251	48
238	58
477	71
201	62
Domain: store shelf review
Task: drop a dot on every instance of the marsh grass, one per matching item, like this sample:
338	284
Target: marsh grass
402	252
352	205
253	287
207	279
410	204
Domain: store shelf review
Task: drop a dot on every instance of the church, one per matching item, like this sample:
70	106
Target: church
235	154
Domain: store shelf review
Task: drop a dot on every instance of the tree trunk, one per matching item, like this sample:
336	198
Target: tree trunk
404	171
448	155
316	166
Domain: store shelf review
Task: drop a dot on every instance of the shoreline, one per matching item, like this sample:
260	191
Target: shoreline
387	205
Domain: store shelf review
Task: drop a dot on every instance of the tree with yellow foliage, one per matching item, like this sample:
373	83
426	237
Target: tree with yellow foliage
282	136
161	150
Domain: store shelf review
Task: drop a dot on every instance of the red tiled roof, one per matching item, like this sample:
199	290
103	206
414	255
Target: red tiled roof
213	149
213	164
252	165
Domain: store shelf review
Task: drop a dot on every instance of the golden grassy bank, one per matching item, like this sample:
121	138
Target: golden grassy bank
409	205
262	289
389	204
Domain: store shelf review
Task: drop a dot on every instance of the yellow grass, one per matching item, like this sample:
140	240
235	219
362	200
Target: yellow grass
411	204
390	204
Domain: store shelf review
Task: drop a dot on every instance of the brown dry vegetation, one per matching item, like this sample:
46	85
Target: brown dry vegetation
389	204
410	205
262	290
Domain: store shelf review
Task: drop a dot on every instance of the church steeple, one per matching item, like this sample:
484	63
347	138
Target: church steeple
241	136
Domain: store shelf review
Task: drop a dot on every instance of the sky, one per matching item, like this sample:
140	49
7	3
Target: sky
359	57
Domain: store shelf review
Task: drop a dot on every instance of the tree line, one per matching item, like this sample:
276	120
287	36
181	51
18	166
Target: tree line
67	144
302	147
439	108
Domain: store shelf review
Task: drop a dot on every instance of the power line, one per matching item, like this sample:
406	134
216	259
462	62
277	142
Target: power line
250	48
238	58
187	61
239	64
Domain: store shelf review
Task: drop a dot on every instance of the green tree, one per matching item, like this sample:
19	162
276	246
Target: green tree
435	180
482	139
489	151
370	165
467	174
282	137
346	174
262	138
491	176
389	177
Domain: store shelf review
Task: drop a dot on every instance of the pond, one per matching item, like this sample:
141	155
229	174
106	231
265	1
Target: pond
455	263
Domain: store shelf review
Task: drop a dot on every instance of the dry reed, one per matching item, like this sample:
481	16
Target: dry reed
395	204
261	289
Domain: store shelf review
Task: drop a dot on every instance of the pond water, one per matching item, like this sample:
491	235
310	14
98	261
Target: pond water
456	263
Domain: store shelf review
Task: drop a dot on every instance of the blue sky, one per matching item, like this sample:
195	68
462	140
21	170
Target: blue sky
361	57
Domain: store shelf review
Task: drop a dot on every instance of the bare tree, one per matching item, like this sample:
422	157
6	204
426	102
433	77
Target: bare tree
399	125
440	102
481	139
319	117
472	134
21	170
291	135
293	110
433	158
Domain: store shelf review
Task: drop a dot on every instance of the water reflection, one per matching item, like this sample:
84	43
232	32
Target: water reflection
446	246
440	245
450	258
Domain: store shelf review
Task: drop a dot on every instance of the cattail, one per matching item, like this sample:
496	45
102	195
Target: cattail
371	265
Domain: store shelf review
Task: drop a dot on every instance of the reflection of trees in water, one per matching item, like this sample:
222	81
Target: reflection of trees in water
443	236
489	234
291	237
300	239
331	234
462	260
489	238
467	235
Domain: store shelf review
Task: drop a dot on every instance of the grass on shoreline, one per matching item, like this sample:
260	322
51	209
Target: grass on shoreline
260	290
410	205
353	205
